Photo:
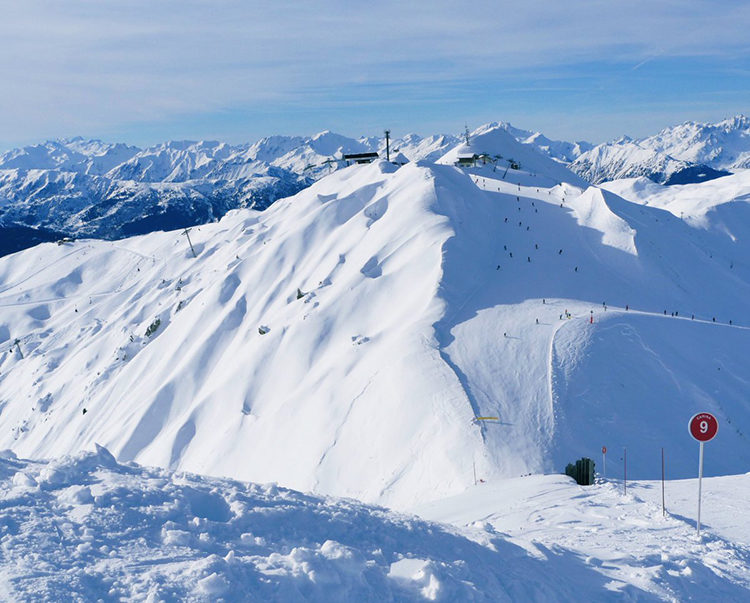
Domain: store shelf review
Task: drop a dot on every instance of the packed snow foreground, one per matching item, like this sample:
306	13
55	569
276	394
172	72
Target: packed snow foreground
88	528
345	341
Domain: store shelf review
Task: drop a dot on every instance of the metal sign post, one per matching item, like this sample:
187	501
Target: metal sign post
703	427
663	506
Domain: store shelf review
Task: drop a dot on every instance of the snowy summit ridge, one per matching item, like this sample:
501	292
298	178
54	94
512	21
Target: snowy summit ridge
689	152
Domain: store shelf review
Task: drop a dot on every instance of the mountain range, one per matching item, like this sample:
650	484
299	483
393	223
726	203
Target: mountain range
689	152
89	188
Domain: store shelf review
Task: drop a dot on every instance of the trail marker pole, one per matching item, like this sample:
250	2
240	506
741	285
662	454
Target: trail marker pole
663	506
703	427
604	462
700	486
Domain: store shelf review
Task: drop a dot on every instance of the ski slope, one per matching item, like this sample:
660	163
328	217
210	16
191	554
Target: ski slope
633	549
344	340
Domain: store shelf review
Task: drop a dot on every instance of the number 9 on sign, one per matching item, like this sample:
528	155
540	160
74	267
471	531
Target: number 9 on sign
703	426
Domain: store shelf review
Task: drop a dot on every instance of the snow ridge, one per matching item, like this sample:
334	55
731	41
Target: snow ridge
689	152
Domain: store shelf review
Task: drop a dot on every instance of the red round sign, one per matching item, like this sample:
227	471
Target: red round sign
604	450
703	426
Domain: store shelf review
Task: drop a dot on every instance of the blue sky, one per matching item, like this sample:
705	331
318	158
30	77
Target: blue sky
144	72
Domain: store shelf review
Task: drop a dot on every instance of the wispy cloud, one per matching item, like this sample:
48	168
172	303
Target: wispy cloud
88	66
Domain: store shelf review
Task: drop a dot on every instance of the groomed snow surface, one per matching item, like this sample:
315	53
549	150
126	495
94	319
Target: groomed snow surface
88	528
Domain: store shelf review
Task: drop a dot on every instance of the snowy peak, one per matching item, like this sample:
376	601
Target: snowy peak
74	155
495	144
560	150
632	159
626	159
724	145
689	152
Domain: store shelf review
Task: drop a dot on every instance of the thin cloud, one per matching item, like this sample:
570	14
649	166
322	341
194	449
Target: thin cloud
83	64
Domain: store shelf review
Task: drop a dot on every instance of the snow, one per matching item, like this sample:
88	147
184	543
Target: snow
636	550
627	159
689	152
343	343
496	142
697	203
93	529
86	528
723	145
414	318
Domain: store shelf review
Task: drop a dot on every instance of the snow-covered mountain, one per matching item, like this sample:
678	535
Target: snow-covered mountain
345	339
627	158
724	145
88	188
690	152
423	337
495	144
560	150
